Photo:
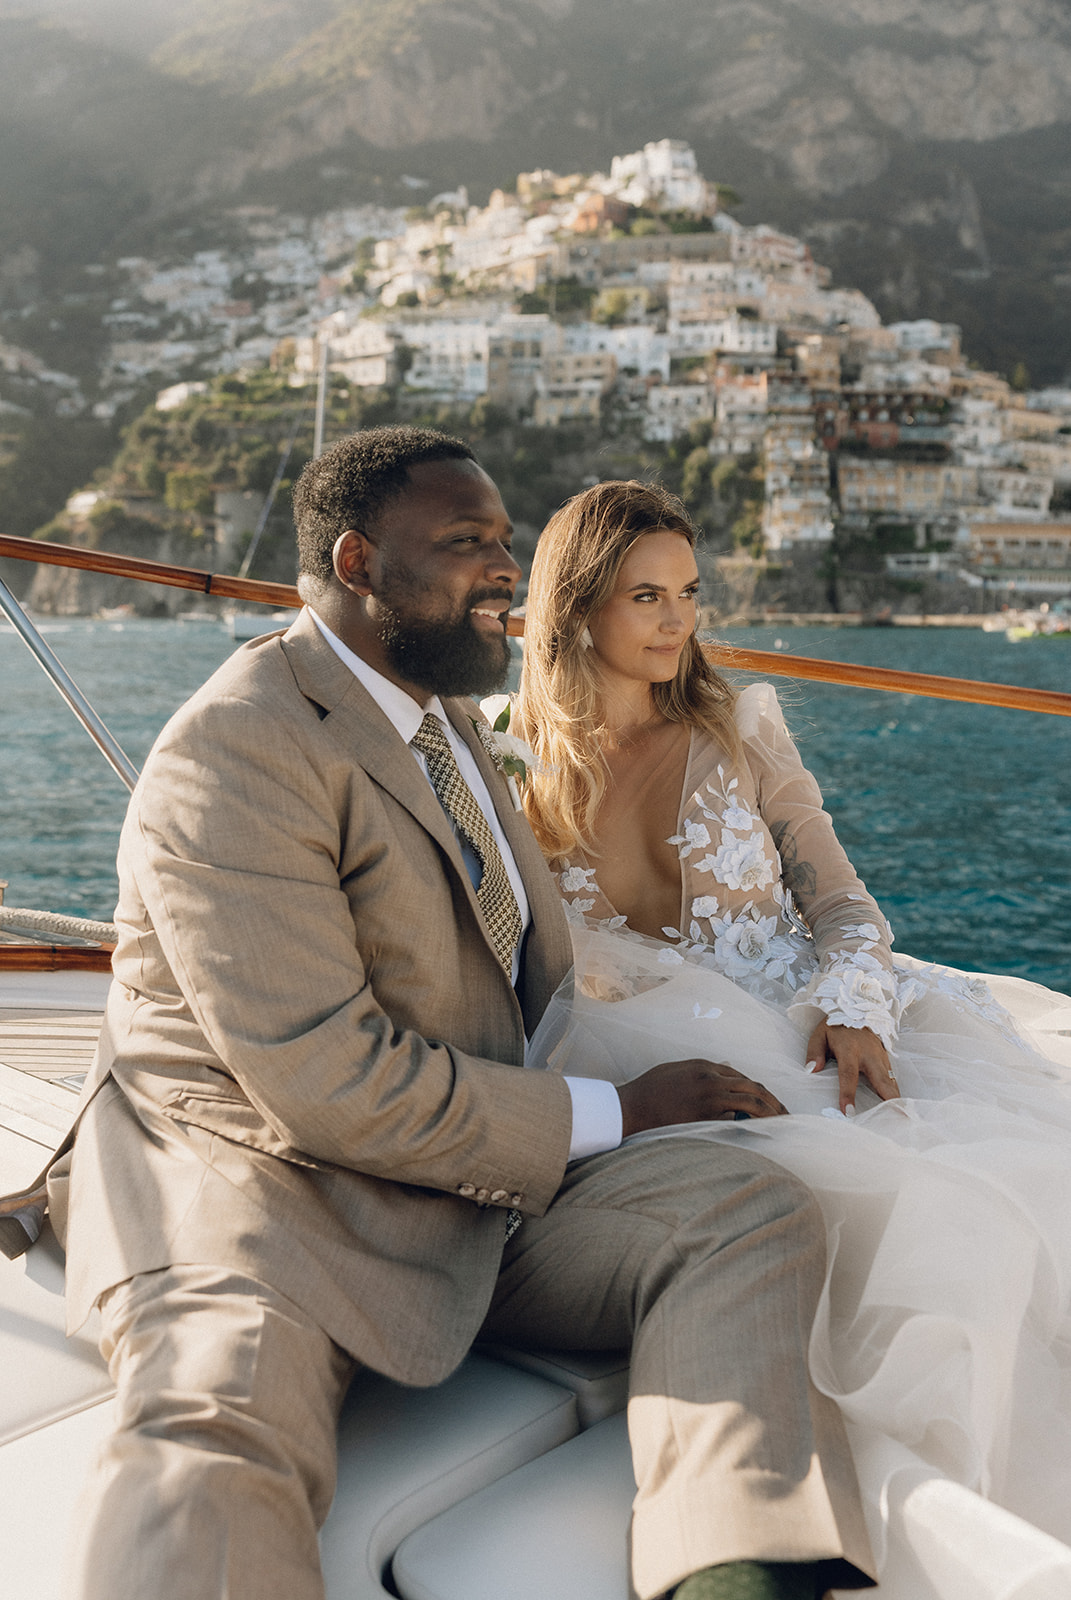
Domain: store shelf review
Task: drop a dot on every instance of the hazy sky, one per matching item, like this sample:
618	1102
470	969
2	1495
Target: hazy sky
138	24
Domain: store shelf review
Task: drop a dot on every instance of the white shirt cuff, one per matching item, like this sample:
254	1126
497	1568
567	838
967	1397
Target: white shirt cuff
596	1117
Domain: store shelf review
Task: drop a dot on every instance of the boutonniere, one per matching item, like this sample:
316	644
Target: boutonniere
513	758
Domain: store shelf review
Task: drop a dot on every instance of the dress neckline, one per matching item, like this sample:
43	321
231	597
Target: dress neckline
693	732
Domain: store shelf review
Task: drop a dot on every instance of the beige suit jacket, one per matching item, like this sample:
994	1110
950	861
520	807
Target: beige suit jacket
311	1065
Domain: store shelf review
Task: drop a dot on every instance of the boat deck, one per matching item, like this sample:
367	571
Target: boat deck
56	1046
49	1023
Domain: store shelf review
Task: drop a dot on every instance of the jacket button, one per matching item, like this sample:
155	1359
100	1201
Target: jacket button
483	1195
516	1199
466	1190
499	1195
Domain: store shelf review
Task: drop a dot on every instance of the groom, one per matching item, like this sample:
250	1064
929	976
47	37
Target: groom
313	1143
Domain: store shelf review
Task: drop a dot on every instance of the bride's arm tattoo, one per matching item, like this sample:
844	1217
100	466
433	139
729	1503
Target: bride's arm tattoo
799	876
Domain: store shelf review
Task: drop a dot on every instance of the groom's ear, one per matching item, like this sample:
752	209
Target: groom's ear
351	558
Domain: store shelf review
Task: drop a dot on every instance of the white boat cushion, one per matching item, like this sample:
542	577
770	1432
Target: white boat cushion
46	1376
598	1378
404	1455
407	1454
557	1529
41	1477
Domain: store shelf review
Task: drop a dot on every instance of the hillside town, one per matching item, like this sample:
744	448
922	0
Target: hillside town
633	301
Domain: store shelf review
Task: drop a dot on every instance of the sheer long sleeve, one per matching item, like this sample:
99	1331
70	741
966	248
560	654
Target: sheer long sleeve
855	985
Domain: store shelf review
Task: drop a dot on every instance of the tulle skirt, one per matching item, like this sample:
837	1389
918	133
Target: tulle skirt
944	1328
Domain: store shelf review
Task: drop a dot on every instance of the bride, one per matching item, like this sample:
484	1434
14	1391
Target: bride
715	915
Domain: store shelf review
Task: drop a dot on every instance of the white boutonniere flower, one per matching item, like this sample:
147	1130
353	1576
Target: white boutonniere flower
513	758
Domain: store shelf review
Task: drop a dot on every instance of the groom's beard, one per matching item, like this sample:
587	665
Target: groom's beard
444	655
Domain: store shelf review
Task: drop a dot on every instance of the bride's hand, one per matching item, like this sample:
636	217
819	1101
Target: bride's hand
692	1091
858	1054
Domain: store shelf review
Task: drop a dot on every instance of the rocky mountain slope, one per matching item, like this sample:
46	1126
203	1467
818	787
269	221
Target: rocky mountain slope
923	146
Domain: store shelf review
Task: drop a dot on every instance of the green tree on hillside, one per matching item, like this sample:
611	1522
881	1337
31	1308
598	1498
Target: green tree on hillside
186	490
695	479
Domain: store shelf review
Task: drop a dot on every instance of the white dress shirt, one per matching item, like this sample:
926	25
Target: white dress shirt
596	1105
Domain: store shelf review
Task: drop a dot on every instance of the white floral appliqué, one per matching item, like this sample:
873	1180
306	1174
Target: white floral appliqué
729	811
858	992
576	880
745	945
973	995
789	911
696	836
740	863
865	932
751	943
705	905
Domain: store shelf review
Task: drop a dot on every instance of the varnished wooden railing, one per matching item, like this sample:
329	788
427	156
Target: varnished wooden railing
55	958
215	583
776	663
931	684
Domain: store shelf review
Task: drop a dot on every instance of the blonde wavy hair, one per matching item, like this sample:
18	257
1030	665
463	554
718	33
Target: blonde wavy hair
574	573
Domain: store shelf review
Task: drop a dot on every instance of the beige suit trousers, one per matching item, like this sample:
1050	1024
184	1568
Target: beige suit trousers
706	1260
221	1469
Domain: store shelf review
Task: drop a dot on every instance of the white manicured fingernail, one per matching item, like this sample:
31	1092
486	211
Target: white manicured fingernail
849	1111
812	1066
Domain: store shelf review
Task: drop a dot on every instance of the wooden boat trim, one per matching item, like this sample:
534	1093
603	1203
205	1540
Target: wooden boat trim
173	577
55	958
776	663
1011	695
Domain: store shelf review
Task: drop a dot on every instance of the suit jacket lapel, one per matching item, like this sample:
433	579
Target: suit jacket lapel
371	739
367	733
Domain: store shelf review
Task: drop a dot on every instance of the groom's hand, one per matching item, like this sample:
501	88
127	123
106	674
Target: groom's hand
692	1091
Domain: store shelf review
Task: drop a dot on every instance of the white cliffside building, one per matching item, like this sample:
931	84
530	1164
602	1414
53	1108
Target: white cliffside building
673	407
449	360
735	336
665	176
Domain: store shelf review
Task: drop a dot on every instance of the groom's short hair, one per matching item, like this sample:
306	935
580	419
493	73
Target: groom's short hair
350	483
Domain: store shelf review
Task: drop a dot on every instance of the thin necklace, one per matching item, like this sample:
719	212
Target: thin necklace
625	738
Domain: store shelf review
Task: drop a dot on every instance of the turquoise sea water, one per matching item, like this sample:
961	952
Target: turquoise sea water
957	816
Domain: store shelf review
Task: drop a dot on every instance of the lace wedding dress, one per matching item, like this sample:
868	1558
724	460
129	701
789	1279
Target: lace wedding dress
944	1330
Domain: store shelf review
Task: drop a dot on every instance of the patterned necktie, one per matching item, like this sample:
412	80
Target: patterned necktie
497	901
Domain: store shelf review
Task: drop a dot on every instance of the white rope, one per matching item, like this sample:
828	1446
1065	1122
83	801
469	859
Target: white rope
15	917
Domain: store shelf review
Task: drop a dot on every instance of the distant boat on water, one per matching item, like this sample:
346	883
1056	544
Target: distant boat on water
1044	623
